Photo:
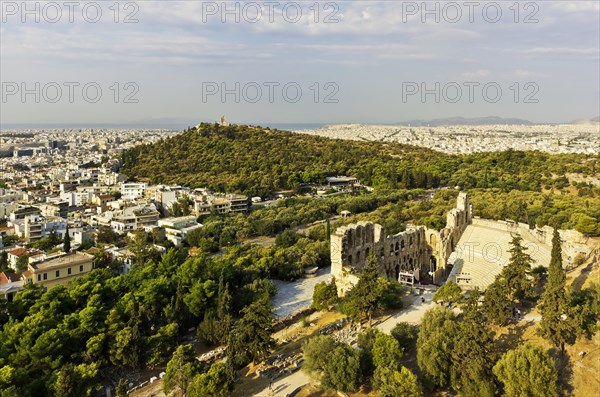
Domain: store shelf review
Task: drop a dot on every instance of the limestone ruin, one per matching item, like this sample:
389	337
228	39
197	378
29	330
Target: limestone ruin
410	256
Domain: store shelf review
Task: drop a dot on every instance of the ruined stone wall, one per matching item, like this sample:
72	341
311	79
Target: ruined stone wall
406	252
416	251
444	242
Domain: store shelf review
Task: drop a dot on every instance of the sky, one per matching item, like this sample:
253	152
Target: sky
261	62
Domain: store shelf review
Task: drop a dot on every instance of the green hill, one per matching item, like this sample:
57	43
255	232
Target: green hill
256	161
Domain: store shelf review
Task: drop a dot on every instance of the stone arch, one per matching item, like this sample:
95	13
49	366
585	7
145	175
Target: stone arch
432	240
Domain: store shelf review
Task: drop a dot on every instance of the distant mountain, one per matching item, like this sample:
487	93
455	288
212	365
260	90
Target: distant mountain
490	120
587	121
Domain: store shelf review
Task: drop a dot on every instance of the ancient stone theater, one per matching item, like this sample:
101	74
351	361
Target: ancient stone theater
414	255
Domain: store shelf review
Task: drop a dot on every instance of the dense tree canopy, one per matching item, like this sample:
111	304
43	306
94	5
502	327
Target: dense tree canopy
394	383
104	322
256	161
181	369
527	371
449	292
250	339
324	295
336	365
435	345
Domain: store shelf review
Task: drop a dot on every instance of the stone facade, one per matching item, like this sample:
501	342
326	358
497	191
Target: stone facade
444	242
408	256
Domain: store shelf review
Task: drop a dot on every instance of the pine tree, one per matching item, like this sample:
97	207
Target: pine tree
472	357
435	344
556	326
527	370
517	270
496	304
67	241
250	339
181	369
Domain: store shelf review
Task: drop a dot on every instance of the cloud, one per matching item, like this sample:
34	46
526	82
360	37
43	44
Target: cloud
135	47
574	7
523	73
477	73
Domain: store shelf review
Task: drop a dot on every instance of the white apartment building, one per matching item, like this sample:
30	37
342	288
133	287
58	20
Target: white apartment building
8	196
133	218
92	174
111	178
34	228
76	198
132	191
7	208
178	227
221	204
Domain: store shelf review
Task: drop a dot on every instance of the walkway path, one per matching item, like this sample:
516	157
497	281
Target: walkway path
411	313
285	385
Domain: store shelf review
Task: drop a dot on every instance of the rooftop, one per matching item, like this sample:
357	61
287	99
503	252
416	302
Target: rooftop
6	277
75	258
19	251
340	179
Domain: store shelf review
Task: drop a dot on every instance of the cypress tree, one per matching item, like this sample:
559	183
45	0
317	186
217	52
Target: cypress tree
556	326
67	241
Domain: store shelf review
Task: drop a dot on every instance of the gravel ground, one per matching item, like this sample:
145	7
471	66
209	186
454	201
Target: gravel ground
293	296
